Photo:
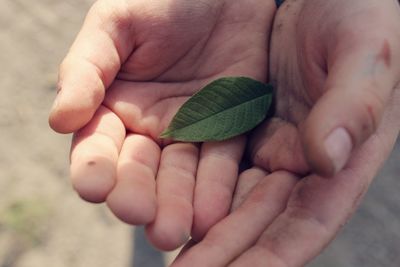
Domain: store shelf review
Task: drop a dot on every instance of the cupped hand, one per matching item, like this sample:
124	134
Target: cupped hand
133	64
336	66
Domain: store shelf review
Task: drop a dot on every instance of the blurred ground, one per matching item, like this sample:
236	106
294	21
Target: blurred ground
42	221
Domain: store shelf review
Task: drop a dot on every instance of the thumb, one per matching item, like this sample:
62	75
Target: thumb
360	82
90	66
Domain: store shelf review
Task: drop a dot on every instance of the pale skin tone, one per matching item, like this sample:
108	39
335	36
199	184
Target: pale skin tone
148	57
284	213
322	85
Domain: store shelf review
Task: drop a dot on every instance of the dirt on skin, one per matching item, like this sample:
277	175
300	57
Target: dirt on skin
44	223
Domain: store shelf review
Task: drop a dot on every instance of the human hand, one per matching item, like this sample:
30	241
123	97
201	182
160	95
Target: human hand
336	66
151	56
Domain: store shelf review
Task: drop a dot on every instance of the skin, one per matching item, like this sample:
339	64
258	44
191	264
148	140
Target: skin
323	81
335	64
133	64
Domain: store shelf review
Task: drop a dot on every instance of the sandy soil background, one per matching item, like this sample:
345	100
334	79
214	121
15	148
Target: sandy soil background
44	223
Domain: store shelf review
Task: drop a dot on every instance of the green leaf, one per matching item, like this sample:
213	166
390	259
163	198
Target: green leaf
225	108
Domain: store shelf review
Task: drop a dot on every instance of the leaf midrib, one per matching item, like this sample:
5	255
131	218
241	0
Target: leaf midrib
222	111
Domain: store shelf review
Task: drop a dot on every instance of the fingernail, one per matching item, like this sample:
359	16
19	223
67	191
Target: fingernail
338	146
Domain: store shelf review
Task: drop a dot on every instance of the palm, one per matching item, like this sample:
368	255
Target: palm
303	210
168	51
306	72
175	63
179	55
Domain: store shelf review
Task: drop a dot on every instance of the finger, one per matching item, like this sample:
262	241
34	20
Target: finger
319	207
216	179
175	185
237	232
276	145
186	248
299	234
246	182
94	155
363	70
133	199
93	61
